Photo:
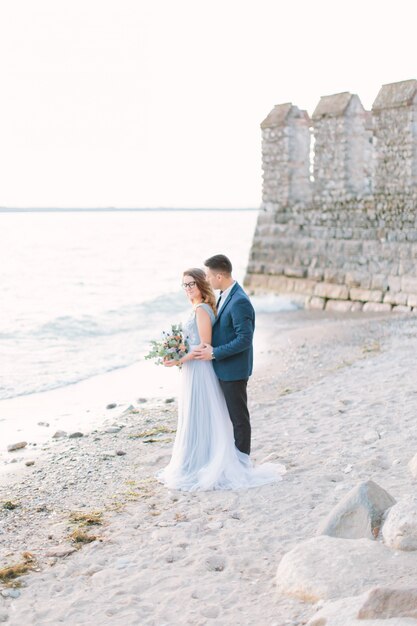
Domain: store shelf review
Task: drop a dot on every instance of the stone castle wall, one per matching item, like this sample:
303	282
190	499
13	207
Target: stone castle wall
340	233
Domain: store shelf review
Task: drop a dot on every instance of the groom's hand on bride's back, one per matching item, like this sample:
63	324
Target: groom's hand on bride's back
204	353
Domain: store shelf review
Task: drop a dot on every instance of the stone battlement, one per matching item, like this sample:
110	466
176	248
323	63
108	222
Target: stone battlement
337	228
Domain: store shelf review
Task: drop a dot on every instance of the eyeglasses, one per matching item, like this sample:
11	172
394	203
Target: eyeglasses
190	285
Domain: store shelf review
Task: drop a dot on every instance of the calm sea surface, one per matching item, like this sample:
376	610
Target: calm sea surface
83	293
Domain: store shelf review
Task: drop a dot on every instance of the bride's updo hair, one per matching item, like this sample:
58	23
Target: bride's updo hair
203	285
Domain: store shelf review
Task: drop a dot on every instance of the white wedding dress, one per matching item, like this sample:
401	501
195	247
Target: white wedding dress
204	454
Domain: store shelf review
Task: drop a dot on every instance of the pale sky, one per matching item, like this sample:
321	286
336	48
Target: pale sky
157	103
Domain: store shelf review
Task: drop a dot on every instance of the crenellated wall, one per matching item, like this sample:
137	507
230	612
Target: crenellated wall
340	232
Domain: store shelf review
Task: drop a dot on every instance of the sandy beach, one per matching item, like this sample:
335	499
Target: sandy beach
333	397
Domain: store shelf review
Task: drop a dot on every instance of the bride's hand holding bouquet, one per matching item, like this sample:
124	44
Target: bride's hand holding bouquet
172	350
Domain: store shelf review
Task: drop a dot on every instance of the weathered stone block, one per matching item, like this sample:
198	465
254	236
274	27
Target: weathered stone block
280	284
304	286
401	308
395	298
379	281
365	295
409	284
316	303
354	279
412	300
315	273
336	292
256	281
376	307
333	276
339	305
295	272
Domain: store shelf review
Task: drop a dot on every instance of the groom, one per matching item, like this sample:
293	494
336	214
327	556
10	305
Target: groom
232	350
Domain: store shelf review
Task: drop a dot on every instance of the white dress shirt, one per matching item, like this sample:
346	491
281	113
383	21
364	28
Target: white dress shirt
224	296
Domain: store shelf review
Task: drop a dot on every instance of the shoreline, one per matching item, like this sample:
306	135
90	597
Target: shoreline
320	383
82	406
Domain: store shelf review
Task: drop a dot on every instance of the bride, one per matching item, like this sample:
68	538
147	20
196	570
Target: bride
204	455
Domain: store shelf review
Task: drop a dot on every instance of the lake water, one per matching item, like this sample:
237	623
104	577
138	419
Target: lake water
83	293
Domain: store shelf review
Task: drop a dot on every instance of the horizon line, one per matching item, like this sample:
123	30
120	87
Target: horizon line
116	209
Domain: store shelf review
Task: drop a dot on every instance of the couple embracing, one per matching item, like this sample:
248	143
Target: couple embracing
212	443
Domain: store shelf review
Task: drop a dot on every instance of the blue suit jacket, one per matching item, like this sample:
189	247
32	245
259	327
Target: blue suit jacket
232	337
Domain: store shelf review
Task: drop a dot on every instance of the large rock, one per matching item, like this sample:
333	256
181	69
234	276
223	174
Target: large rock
359	514
384	603
400	527
325	567
341	613
376	605
412	466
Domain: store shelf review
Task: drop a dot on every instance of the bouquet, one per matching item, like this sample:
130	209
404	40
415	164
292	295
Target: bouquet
172	347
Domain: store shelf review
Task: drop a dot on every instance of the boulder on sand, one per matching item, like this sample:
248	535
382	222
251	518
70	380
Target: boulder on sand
359	514
323	568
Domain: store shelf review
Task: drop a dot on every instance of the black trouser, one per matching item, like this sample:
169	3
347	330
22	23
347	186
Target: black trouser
237	404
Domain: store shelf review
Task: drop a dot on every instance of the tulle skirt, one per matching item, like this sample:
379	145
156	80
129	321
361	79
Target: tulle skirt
204	455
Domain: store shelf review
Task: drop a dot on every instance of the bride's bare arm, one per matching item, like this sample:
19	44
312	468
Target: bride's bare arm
204	330
203	325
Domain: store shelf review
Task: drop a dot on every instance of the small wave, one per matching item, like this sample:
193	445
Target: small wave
112	321
7	393
7	336
77	348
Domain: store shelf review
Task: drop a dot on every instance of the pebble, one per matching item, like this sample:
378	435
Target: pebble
169	400
73	476
76	435
123	562
112	429
29	463
61	551
215	525
16	446
106	454
10	593
112	405
371	436
59	434
215	563
43	424
333	478
210	611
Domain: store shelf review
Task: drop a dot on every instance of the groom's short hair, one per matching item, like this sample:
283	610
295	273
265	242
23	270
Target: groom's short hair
219	263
